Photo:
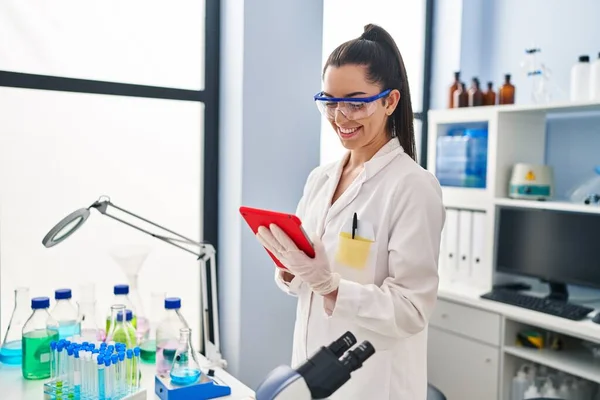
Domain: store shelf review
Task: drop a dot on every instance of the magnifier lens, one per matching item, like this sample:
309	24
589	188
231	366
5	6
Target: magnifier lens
67	229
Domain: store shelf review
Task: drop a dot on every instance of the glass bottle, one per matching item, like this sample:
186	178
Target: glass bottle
148	342
186	368
121	329
475	94
65	314
167	334
39	331
506	94
489	97
90	331
121	296
461	97
455	86
10	353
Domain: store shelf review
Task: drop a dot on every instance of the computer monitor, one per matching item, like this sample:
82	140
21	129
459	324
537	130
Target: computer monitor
557	247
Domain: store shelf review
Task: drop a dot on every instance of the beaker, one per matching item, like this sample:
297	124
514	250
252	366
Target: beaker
10	353
121	330
186	368
90	331
130	259
148	343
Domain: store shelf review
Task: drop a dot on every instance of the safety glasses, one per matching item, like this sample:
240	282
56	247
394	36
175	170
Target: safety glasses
352	108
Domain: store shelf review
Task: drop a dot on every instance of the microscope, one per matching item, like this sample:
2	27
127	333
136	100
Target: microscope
320	376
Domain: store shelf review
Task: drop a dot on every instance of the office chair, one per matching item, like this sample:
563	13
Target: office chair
434	393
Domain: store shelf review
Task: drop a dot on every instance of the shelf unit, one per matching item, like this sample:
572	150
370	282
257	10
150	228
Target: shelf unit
516	134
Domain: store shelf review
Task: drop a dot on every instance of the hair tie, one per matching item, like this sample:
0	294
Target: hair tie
371	35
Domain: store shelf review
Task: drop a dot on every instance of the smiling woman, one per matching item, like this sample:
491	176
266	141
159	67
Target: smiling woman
376	217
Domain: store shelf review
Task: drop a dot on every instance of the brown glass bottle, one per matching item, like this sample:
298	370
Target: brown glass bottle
455	85
489	97
475	94
506	94
461	96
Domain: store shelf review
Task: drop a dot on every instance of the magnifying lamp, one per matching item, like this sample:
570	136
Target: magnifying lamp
205	252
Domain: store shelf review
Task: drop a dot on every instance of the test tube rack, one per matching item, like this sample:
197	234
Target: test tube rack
54	391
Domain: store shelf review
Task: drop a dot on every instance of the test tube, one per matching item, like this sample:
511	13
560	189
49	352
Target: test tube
76	374
137	378
114	359
122	374
60	363
69	368
108	378
53	355
129	368
100	380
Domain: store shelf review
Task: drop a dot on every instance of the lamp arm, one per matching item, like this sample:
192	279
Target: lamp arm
205	249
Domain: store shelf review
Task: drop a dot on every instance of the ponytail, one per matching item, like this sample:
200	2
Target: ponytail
377	50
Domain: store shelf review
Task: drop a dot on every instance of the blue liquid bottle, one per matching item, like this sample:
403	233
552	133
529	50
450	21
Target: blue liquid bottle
65	314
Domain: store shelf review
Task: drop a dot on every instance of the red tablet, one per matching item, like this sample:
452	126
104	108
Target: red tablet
288	223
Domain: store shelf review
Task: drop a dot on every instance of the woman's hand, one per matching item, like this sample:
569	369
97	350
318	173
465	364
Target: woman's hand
316	272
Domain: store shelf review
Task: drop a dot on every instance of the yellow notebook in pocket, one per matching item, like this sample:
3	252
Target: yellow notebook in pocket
353	253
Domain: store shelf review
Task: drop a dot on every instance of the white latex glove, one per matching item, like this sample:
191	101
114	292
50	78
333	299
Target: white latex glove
316	272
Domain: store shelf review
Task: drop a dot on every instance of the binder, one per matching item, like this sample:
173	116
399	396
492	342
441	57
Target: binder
465	238
478	261
451	244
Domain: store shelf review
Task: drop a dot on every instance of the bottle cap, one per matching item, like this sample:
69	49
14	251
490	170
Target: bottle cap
584	58
121	355
103	345
39	303
136	351
61	294
100	360
76	353
96	351
128	317
107	362
121	289
53	345
172	303
129	353
114	358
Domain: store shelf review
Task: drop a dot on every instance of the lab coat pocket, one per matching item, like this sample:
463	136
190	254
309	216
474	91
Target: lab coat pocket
353	253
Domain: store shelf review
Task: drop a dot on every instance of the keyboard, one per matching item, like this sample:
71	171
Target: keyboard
557	308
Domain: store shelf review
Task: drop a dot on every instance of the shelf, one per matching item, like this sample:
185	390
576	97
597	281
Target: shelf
548	205
580	364
467	198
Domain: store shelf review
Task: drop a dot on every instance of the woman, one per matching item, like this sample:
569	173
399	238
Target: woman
377	218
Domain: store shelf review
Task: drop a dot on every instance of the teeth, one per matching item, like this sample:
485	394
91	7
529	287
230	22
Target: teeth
348	131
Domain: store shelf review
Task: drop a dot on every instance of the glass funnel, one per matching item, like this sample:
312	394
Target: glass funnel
131	259
90	331
186	368
148	343
10	353
121	329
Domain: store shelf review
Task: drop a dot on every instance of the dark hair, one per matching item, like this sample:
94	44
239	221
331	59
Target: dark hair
376	50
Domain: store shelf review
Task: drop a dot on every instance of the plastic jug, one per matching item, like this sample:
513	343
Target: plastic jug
580	79
520	384
595	80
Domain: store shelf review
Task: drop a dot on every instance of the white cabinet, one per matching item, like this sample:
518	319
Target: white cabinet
462	368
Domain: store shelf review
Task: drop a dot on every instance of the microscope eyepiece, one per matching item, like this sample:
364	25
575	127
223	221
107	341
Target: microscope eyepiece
355	358
340	346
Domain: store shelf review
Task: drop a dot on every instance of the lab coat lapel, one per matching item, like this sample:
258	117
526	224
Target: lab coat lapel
382	158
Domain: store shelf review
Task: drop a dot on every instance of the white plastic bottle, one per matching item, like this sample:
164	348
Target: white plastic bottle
564	392
548	390
595	80
532	393
580	79
520	384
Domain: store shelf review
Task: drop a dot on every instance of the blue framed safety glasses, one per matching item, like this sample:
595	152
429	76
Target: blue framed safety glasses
352	108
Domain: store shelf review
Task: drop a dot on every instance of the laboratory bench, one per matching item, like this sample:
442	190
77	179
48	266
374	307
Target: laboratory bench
472	350
13	386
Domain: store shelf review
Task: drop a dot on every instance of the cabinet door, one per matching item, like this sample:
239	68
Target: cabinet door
462	368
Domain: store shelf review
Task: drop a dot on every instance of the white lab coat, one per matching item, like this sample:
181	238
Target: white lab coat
389	299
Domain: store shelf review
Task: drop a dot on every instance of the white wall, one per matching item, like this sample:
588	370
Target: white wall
404	20
269	132
148	42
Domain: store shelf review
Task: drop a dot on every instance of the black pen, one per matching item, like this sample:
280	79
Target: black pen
354	225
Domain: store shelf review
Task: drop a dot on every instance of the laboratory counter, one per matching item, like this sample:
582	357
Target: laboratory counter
13	386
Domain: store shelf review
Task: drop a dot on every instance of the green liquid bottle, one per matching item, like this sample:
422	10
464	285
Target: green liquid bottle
121	329
39	330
